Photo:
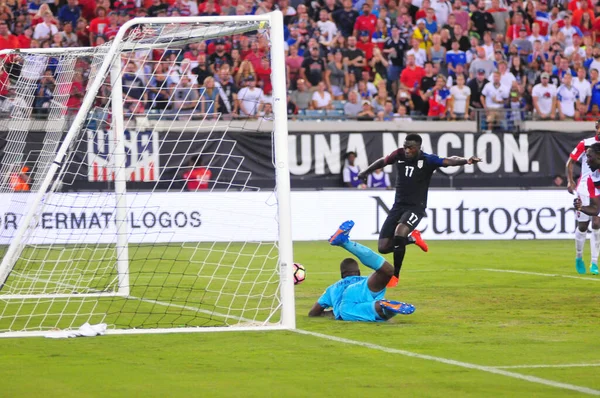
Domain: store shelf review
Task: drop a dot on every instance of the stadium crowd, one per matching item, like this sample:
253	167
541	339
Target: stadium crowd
360	59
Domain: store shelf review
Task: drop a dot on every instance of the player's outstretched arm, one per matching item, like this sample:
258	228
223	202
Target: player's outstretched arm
592	209
378	164
458	161
571	185
318	310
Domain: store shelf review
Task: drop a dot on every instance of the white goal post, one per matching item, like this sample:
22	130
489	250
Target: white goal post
154	258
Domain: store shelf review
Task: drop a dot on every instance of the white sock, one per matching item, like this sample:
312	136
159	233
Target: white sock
579	242
595	243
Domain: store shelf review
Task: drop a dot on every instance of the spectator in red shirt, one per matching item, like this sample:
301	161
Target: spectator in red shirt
411	75
198	177
25	38
83	35
215	7
513	30
365	44
255	56
8	41
578	13
263	75
366	21
98	24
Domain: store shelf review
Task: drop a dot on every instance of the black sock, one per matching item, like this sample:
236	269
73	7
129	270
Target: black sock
400	243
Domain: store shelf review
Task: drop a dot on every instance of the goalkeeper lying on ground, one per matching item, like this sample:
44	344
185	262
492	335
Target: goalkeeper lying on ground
355	297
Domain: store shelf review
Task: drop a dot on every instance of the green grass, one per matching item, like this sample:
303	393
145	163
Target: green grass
465	312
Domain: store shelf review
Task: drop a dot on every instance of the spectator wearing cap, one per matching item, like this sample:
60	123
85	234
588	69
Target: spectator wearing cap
365	44
476	86
481	63
482	21
354	58
367	21
250	98
313	68
553	78
437	97
422	35
544	98
70	12
345	18
366	113
219	57
522	43
8	41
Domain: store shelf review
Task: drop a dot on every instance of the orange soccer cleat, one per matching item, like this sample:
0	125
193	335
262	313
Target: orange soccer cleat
416	235
393	282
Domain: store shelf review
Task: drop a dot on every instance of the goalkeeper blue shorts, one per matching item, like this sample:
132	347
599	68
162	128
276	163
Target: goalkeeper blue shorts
358	303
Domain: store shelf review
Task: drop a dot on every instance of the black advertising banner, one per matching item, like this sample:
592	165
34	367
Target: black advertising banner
316	159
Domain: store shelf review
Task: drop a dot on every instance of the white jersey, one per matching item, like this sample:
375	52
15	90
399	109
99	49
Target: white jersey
578	155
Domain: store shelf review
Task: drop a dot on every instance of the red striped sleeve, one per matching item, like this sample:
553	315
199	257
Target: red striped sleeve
591	188
578	151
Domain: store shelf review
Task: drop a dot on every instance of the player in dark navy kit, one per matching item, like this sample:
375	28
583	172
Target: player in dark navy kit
414	169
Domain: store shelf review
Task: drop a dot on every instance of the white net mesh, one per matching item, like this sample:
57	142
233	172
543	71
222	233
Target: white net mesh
190	258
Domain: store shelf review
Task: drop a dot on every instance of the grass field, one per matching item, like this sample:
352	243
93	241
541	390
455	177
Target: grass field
482	309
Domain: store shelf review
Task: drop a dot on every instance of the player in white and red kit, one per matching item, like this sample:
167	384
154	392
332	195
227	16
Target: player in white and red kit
581	189
592	183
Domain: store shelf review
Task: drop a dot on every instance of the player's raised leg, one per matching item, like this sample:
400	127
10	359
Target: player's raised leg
383	270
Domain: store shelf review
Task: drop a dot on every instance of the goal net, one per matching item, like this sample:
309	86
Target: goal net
134	193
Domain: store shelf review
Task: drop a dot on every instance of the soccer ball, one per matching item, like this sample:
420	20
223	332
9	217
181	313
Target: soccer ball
299	273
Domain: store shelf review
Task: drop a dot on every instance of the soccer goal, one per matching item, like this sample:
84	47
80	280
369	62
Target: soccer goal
150	207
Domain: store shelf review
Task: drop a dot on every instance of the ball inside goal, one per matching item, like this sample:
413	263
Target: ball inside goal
299	273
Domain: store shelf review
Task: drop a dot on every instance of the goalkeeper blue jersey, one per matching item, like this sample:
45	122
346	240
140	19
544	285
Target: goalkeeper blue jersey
332	297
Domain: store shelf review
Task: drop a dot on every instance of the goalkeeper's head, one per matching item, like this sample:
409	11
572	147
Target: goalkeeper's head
349	267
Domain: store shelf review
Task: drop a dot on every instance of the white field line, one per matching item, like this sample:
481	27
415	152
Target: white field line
566	365
487	369
512	271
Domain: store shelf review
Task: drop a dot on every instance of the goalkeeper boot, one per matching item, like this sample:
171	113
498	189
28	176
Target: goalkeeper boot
594	269
396	307
341	235
580	265
416	235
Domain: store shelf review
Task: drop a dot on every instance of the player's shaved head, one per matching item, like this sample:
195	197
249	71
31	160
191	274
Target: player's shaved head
349	267
414	137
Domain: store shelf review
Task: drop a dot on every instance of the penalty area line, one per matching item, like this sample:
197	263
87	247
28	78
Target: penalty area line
487	369
566	365
512	271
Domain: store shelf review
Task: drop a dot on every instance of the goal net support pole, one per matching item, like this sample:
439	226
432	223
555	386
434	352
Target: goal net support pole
111	66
